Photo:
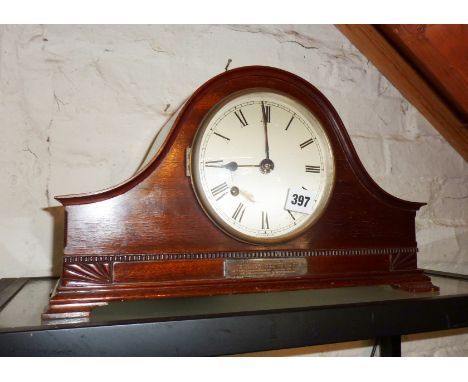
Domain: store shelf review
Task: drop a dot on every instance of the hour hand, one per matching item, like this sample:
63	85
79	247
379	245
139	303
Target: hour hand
232	166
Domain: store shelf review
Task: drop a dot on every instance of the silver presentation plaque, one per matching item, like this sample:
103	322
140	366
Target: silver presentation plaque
265	268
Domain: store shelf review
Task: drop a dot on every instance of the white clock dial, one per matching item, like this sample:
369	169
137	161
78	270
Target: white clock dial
262	167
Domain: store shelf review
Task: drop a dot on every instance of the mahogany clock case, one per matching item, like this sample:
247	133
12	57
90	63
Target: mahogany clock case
149	237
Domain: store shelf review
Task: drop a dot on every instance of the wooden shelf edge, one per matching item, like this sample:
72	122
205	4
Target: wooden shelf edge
409	82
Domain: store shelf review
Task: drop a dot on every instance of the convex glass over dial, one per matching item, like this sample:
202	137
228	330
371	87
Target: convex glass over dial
262	167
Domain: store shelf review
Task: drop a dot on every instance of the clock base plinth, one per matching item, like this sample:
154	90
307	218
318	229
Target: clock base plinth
74	304
159	235
65	312
416	286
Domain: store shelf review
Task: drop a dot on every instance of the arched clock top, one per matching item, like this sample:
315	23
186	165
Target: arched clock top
214	91
179	230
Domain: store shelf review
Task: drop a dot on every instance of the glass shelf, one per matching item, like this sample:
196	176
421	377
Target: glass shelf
25	308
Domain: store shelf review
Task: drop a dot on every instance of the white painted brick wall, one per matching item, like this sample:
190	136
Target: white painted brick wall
80	104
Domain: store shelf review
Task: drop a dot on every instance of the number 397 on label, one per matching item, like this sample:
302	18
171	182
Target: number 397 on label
300	200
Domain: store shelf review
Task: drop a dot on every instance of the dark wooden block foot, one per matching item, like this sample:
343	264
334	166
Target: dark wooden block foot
64	311
417	286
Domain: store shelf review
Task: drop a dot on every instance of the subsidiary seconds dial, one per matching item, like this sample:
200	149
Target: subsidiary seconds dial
262	167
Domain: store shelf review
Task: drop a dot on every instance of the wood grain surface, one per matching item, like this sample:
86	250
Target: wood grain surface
431	87
149	237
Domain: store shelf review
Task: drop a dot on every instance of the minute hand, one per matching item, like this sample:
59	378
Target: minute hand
265	126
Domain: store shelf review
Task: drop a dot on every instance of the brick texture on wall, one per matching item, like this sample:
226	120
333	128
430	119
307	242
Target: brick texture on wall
79	106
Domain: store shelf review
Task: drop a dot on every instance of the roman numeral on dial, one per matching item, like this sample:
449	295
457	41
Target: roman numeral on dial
239	212
306	143
289	123
222	136
315	169
219	190
241	118
265	224
266	113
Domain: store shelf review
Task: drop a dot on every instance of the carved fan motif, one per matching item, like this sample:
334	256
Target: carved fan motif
83	274
149	237
403	260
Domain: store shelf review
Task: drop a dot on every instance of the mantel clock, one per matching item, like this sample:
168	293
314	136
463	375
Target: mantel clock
257	187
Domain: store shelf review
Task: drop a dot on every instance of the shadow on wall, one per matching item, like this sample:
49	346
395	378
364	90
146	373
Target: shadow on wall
58	215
